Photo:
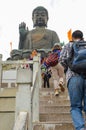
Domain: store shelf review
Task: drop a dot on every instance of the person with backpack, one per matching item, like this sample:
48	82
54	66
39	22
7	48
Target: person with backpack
76	78
56	68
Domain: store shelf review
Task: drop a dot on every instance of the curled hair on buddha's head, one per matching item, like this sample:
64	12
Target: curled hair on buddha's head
77	35
40	8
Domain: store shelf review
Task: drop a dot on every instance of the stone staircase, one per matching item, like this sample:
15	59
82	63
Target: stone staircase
54	110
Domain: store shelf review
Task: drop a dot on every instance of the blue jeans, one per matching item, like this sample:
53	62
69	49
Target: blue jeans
77	94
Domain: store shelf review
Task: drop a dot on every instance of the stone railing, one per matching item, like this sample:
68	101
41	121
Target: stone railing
21	121
27	96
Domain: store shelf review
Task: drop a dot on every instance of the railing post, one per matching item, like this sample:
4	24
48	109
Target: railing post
0	70
21	122
23	97
35	100
39	72
36	67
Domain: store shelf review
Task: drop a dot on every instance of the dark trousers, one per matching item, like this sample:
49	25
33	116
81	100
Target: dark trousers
46	81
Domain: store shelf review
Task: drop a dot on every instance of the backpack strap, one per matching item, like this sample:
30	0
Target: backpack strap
70	55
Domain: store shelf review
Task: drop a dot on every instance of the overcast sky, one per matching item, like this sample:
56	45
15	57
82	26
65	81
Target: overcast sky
63	15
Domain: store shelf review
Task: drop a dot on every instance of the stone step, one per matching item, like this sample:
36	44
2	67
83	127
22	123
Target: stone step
52	97
64	96
7	99
7	104
50	91
7	121
53	126
9	118
45	117
8	92
54	109
54	102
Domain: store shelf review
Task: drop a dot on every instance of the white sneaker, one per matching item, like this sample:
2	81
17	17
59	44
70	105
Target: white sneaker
62	86
56	92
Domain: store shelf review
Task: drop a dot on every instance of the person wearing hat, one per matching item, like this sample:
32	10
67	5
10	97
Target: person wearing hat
57	48
58	71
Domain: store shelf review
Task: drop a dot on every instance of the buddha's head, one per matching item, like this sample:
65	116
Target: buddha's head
40	16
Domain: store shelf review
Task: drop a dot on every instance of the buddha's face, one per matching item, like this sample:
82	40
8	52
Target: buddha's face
40	18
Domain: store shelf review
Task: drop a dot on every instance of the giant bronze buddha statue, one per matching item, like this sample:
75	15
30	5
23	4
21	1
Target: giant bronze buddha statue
39	37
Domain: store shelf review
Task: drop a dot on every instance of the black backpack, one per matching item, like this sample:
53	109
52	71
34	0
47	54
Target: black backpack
77	57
